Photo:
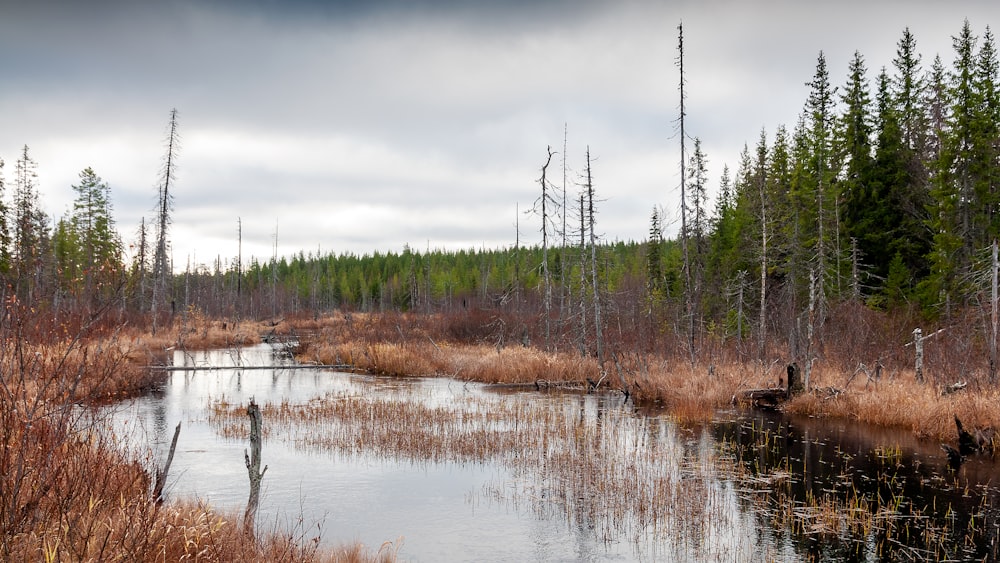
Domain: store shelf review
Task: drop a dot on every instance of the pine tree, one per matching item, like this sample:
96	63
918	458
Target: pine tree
92	223
654	260
821	174
986	138
30	228
858	186
908	88
698	226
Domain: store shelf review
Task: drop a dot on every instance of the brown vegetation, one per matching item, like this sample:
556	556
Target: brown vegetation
623	476
68	490
477	347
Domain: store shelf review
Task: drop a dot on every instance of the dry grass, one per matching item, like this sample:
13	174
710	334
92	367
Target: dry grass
402	345
624	477
69	492
903	402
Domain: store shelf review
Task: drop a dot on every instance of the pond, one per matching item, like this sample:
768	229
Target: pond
455	471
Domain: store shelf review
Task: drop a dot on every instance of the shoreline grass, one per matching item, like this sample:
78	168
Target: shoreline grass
69	490
408	345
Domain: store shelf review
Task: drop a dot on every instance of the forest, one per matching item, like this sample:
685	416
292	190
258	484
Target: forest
883	195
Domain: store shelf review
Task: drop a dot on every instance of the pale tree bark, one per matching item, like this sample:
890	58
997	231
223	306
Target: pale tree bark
546	276
591	220
253	466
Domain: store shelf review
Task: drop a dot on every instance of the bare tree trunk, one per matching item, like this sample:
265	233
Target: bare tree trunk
688	290
546	277
161	271
253	466
583	278
161	476
598	335
918	347
809	329
993	308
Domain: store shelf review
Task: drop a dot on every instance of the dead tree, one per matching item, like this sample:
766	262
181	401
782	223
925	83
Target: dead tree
161	475
686	265
591	221
253	466
545	200
161	270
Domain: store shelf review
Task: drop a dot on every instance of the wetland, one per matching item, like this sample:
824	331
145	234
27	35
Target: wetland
447	470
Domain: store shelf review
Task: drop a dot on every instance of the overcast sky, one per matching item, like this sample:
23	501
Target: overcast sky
364	126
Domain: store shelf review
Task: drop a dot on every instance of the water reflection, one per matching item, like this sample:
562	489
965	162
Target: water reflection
638	487
852	492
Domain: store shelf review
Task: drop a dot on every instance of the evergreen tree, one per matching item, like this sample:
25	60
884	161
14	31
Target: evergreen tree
30	228
986	138
908	87
698	226
858	185
4	228
821	172
654	260
93	223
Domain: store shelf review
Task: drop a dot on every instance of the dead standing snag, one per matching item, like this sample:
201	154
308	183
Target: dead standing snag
253	465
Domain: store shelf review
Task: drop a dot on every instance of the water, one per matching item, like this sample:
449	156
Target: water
747	487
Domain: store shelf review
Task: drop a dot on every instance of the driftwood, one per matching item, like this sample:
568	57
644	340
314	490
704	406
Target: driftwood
253	466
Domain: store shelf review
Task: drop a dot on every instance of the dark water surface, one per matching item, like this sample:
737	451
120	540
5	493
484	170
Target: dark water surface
766	487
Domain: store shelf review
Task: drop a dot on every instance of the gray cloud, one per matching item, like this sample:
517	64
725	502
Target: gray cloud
360	126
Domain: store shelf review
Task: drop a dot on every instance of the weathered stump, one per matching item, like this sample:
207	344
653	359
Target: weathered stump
795	383
161	475
253	466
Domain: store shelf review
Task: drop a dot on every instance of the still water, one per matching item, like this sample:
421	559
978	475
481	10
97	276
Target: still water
612	483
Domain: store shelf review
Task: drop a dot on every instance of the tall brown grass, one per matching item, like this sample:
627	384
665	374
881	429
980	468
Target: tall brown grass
467	346
68	490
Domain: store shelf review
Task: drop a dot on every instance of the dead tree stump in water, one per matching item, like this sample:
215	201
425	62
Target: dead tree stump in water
253	466
161	475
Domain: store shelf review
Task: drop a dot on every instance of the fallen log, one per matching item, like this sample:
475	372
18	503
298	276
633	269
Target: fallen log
762	398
